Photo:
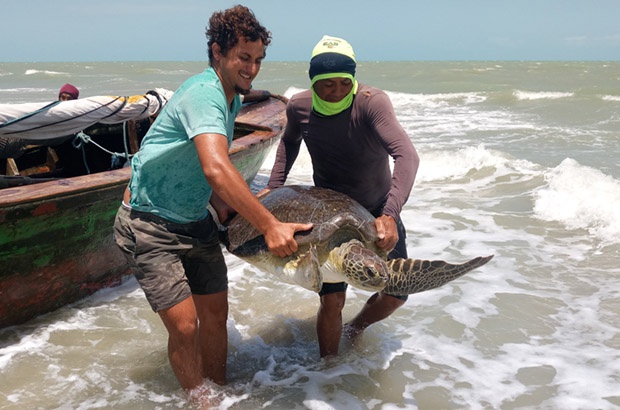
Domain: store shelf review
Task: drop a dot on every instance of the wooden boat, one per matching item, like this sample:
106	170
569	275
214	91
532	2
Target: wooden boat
56	243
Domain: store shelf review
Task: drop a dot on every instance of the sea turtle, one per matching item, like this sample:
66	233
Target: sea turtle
340	247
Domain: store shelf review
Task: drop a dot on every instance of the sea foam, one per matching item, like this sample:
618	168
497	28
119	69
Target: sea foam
581	197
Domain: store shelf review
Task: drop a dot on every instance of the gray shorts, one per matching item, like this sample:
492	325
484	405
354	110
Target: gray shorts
173	261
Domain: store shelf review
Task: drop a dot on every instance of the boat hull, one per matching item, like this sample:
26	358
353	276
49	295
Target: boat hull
56	243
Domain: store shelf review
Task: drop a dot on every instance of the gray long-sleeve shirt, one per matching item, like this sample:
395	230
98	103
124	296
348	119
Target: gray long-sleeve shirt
350	151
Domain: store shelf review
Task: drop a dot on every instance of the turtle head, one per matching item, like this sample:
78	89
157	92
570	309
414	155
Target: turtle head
362	267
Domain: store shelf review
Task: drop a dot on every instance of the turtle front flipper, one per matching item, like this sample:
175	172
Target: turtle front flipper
410	276
305	270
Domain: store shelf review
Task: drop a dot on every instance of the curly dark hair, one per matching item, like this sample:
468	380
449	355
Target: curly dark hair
227	26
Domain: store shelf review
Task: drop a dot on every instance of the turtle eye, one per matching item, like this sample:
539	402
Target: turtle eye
370	272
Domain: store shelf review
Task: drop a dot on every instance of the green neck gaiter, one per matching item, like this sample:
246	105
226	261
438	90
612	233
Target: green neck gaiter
328	108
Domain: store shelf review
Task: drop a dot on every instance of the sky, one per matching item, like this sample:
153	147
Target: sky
387	30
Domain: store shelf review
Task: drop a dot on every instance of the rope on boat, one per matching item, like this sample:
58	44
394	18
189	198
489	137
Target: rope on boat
26	116
42	110
81	139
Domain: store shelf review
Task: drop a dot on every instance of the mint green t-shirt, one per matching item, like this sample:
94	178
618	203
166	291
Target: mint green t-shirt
167	178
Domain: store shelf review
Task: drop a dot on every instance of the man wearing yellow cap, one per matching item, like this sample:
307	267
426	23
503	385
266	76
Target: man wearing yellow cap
351	133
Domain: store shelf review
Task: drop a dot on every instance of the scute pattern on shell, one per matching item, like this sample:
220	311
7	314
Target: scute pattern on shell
336	218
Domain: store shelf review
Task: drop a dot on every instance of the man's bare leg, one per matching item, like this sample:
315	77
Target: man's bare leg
329	323
213	335
182	325
378	307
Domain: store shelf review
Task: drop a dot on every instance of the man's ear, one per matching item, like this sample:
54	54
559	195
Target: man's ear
217	51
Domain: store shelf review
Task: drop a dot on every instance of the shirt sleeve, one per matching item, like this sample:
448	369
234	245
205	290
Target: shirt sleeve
287	150
399	146
203	110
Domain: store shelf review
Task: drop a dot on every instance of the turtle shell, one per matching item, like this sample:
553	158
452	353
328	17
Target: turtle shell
336	217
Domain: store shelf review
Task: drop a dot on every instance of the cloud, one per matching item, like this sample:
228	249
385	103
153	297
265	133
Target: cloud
576	41
612	40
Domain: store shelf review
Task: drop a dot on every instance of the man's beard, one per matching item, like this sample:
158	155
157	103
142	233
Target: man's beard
242	91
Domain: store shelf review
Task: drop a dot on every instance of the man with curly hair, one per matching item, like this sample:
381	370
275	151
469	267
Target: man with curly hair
163	224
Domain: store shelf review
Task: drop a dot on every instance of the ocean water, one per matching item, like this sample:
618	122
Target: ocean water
518	159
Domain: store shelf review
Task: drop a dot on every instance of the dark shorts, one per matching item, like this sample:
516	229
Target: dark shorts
173	261
399	251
